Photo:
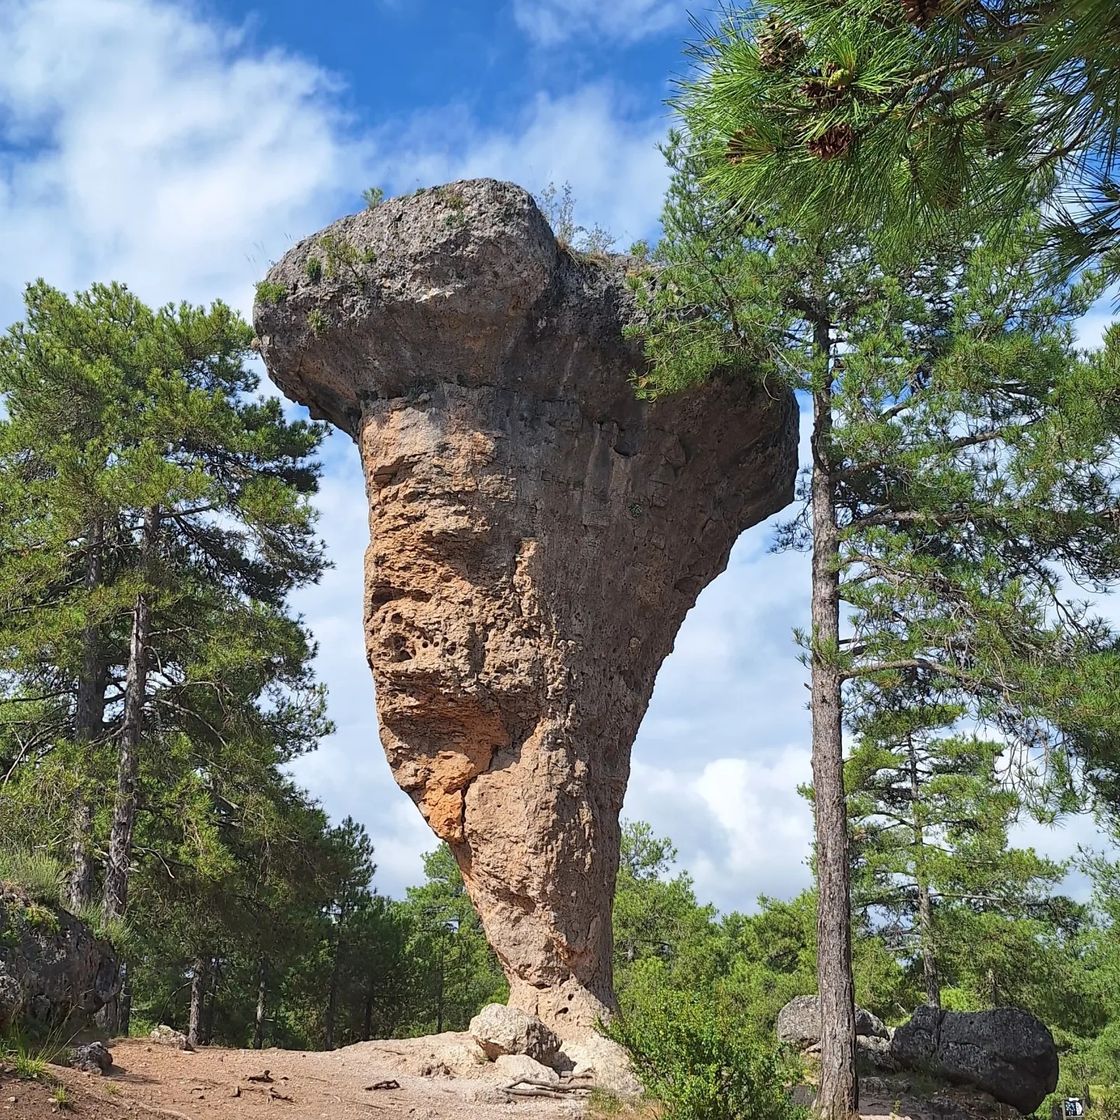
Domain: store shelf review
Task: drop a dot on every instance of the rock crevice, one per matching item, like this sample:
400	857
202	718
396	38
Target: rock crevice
537	534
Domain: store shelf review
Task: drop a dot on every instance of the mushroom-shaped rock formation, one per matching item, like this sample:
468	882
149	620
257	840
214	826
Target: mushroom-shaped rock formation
538	534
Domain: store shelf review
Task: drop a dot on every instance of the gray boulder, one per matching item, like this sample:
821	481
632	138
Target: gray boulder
1007	1052
499	1030
876	1052
169	1036
600	1061
54	971
92	1057
520	1067
799	1023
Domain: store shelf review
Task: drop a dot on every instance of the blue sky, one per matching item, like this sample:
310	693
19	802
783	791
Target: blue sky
180	146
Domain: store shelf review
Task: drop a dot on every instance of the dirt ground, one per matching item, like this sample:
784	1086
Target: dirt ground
153	1081
216	1084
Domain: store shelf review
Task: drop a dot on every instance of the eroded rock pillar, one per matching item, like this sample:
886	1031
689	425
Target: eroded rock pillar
537	535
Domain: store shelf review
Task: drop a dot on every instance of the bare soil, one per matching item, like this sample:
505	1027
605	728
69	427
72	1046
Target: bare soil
148	1079
153	1081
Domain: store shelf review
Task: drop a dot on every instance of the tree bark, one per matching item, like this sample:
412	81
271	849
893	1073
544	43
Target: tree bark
200	975
262	1004
925	903
332	993
211	1005
441	982
89	715
367	1011
838	1095
124	1005
115	895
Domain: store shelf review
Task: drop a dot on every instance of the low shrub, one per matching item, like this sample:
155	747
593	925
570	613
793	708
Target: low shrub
114	930
702	1065
270	293
28	1055
41	917
39	874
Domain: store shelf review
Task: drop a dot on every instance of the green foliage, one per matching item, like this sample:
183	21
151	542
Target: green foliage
61	1098
115	930
314	269
373	197
28	1067
963	460
29	1056
933	868
558	205
316	321
269	293
37	872
663	937
166	479
958	486
893	119
344	259
700	1064
455	972
456	203
40	917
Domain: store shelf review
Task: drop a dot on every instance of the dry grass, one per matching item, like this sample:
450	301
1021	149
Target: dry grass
606	1106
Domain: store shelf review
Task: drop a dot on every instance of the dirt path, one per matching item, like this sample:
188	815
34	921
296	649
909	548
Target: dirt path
216	1084
150	1081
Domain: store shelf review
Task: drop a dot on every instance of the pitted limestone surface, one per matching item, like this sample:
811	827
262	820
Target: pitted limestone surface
537	534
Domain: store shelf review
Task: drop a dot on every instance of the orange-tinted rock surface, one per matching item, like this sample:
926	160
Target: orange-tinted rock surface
537	536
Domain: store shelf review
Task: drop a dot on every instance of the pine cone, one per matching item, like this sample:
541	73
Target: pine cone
820	93
833	142
826	90
779	44
920	12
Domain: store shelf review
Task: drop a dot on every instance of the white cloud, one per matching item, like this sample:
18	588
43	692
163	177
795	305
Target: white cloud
739	824
593	138
157	149
549	22
139	142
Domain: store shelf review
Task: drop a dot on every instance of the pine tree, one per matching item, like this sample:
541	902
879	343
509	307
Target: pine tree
352	860
144	489
456	971
893	117
950	477
930	819
664	939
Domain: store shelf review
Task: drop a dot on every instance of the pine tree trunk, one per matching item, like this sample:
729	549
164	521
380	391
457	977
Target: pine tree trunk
211	1005
262	1004
200	976
124	1005
441	983
925	903
367	1012
115	896
332	992
89	714
838	1095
